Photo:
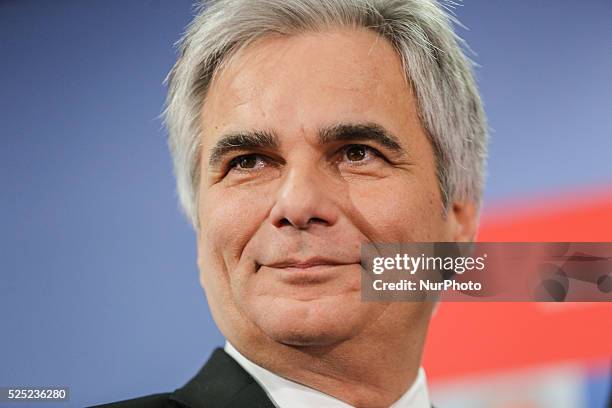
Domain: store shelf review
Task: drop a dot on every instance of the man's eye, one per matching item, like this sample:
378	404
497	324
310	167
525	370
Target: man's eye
247	162
359	153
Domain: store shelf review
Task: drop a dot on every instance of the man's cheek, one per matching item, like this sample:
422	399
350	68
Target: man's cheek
219	214
376	214
231	224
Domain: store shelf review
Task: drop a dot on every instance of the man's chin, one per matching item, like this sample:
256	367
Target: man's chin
322	321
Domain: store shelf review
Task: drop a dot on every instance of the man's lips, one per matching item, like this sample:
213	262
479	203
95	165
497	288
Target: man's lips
306	264
309	271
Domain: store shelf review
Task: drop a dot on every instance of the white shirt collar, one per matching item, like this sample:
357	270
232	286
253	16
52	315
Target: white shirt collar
285	393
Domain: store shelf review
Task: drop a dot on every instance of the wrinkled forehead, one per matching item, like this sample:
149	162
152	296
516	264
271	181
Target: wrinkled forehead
308	79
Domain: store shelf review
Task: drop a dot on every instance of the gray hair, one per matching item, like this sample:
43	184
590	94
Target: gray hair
421	32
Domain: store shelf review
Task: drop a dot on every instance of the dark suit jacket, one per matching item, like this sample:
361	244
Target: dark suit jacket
221	383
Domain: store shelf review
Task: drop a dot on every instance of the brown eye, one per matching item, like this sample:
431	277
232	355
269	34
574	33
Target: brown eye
356	152
246	162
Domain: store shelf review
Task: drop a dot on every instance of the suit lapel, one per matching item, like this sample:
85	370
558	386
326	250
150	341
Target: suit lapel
222	383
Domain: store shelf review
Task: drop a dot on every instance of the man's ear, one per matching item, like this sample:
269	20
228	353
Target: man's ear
463	221
200	260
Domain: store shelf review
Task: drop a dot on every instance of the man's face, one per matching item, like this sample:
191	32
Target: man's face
311	146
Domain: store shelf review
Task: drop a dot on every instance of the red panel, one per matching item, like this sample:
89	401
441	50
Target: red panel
571	217
468	338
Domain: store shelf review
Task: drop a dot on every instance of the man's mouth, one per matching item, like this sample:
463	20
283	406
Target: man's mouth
306	263
308	271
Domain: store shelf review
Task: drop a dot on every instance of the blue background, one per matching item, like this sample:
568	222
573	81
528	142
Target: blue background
98	278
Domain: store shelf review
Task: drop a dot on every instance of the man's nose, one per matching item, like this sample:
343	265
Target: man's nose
304	199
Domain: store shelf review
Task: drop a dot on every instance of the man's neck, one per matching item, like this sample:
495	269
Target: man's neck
363	372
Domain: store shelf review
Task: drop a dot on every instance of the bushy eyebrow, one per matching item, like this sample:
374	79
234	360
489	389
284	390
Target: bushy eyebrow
267	140
242	141
345	132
